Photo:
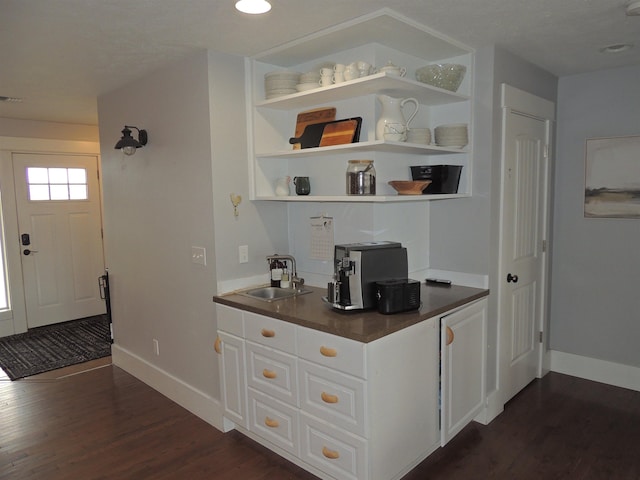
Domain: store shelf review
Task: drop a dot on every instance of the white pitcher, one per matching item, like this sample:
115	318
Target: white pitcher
392	113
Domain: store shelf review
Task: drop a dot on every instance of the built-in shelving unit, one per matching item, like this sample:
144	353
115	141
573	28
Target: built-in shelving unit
377	38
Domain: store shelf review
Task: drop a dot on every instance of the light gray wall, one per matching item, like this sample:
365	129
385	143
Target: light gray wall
11	127
595	303
158	203
174	194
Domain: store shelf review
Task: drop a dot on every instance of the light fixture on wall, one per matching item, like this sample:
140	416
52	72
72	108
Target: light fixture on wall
128	144
253	7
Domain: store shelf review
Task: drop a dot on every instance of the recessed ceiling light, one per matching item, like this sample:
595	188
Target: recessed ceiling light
633	9
10	99
617	48
253	7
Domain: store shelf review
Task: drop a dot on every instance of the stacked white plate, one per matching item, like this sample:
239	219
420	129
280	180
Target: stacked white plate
419	135
454	135
277	84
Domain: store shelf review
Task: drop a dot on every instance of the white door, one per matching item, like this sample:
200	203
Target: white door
58	203
524	201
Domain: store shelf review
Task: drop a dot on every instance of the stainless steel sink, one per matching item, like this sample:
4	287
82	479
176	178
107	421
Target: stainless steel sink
270	294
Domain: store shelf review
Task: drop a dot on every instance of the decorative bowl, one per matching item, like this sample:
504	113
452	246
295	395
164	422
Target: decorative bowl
442	75
409	187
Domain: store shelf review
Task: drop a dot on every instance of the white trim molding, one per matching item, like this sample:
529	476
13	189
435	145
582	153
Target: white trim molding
603	371
197	402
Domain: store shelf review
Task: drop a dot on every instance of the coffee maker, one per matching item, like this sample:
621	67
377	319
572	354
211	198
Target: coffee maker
357	268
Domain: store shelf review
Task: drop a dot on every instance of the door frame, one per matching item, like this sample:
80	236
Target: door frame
15	320
514	100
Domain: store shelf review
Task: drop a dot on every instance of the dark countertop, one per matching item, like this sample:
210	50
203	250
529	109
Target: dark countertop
309	310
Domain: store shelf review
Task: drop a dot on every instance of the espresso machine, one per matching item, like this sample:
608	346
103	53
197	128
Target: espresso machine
357	269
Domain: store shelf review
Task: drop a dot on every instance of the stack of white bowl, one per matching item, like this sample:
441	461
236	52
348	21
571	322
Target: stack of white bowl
308	81
277	84
454	135
419	135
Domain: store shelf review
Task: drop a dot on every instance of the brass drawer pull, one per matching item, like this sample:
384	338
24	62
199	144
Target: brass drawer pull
271	423
450	336
216	345
332	454
268	333
269	373
328	398
328	352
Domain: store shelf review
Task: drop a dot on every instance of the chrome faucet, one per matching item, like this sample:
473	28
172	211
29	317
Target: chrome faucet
296	282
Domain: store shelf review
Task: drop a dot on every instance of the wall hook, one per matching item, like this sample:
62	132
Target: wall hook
235	201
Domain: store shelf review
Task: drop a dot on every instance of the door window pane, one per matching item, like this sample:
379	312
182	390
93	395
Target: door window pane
57	184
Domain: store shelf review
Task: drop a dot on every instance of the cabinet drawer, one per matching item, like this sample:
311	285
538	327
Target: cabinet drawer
270	332
274	421
332	351
333	396
272	372
332	450
229	320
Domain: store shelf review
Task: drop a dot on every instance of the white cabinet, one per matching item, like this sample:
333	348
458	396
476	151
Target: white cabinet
464	339
230	345
377	38
340	408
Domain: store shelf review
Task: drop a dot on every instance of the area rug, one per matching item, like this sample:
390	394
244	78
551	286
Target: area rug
55	346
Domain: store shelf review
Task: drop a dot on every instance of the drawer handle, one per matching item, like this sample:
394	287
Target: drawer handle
271	423
328	398
450	336
216	345
332	454
268	333
269	373
328	352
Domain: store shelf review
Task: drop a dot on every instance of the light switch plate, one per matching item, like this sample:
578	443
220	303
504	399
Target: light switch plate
199	255
243	254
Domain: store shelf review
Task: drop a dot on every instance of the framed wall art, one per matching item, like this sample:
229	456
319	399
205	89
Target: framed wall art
612	177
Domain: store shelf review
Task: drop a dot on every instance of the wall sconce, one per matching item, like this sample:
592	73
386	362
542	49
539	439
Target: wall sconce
128	144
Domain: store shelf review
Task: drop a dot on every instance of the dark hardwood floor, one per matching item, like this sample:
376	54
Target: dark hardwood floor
105	424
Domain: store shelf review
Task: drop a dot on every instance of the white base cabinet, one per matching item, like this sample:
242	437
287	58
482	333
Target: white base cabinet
344	409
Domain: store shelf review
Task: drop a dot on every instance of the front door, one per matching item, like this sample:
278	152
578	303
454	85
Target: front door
59	217
522	252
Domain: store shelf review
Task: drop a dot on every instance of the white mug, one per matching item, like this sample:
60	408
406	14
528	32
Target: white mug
338	77
339	67
326	71
326	80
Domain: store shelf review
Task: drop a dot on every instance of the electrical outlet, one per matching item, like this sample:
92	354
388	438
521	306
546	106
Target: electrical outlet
156	347
198	255
243	254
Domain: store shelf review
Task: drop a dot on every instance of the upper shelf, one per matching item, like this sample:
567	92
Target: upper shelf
384	82
384	27
374	146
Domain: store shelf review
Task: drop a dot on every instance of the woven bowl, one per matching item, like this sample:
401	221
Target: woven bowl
409	187
446	75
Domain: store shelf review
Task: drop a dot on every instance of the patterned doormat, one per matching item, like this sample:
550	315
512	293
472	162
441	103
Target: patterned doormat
55	346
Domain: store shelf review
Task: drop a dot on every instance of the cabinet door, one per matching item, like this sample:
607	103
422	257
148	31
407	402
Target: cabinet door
232	373
463	355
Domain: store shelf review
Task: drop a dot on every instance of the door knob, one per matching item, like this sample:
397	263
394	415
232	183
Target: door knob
26	251
512	278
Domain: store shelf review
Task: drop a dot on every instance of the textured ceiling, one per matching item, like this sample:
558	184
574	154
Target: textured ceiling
59	55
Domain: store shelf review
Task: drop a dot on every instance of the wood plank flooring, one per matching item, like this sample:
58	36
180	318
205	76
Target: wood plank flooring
105	424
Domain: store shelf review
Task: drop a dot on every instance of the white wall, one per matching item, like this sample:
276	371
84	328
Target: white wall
596	262
11	127
158	203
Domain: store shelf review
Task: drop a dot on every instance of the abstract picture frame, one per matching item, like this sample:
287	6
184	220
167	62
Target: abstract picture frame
612	177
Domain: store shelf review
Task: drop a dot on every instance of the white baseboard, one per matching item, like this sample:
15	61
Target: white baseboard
197	402
493	408
602	371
